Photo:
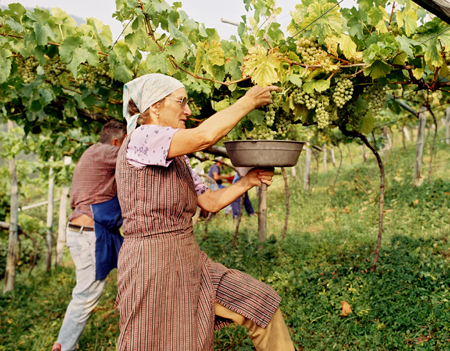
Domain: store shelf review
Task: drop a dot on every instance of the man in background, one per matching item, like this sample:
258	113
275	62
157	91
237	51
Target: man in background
214	173
93	236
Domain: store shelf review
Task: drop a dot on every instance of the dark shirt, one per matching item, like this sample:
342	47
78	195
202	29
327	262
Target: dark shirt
214	169
94	179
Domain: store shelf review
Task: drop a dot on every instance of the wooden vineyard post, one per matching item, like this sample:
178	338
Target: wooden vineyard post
10	273
406	133
61	241
307	173
447	125
363	153
419	145
51	189
62	225
324	155
349	154
333	159
262	214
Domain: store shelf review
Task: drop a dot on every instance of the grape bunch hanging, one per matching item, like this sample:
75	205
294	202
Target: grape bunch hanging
27	68
53	68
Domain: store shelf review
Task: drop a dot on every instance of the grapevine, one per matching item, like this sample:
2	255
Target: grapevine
376	97
53	69
343	92
312	54
27	68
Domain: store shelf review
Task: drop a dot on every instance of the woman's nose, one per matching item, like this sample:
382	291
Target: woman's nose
187	110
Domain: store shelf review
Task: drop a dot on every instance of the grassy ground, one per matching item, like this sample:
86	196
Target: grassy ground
323	260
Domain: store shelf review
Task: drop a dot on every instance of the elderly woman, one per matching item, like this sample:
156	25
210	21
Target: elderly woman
171	296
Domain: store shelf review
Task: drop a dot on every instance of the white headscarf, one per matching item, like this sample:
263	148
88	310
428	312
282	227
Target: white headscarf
145	91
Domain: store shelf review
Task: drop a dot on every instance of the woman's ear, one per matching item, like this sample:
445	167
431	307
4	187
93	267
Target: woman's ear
156	107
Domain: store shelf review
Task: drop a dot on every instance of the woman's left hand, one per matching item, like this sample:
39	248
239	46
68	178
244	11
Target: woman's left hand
258	176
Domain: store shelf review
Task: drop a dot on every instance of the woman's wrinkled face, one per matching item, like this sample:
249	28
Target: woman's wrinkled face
171	113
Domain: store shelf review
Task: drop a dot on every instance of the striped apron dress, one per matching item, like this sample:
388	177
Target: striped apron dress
168	287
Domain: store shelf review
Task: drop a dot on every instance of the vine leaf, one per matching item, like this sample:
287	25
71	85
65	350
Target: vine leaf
410	22
400	59
317	85
157	63
218	106
405	44
43	32
433	53
326	25
256	116
75	50
294	79
263	67
209	54
377	69
418	73
5	63
367	123
346	44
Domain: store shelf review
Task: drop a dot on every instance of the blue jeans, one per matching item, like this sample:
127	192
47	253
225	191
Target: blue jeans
87	291
236	206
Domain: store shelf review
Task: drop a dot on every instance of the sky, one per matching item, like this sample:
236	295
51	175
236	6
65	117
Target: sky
209	12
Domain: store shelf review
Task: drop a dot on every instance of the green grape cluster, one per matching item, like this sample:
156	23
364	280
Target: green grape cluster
354	117
90	76
302	98
343	92
312	54
322	116
27	68
282	125
376	97
103	68
53	68
262	132
270	116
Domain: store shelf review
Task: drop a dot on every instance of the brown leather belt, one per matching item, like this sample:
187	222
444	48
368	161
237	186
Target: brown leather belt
78	227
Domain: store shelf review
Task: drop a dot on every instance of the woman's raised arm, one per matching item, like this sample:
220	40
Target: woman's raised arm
186	141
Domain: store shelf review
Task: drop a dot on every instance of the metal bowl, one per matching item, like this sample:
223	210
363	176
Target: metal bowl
264	153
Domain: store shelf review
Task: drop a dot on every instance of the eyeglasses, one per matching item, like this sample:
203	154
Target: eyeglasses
183	102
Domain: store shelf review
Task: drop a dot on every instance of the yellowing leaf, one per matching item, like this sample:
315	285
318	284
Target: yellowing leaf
418	73
358	56
433	54
381	27
332	44
263	67
400	59
347	46
410	22
399	16
209	54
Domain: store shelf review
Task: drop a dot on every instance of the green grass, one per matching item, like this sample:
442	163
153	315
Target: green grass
323	260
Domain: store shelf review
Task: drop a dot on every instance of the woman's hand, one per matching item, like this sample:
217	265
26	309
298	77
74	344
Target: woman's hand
260	96
258	176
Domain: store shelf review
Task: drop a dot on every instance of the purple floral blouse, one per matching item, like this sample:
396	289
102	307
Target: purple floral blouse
149	146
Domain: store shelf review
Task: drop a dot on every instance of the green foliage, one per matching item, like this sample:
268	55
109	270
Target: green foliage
67	76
